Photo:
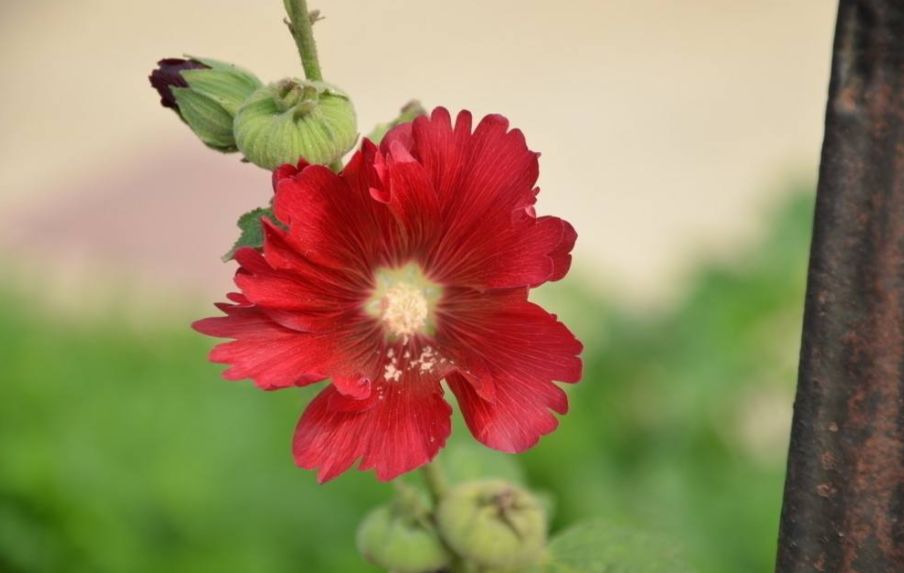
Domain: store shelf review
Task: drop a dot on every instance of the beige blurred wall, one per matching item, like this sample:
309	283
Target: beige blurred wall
664	125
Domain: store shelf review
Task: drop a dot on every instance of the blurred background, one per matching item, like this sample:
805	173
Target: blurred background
681	137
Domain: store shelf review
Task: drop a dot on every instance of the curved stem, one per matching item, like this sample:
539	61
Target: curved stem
303	33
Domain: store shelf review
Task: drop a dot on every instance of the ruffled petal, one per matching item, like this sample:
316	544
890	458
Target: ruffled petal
271	355
287	170
509	353
524	253
408	192
561	255
293	291
282	256
488	171
295	322
331	223
401	426
485	185
516	419
276	356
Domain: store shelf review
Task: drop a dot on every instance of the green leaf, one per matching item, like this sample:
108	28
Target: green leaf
252	230
600	547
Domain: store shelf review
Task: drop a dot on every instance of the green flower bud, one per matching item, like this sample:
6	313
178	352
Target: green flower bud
293	118
409	112
494	524
401	542
206	94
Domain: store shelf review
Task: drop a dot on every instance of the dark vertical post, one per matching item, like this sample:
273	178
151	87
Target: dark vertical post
844	495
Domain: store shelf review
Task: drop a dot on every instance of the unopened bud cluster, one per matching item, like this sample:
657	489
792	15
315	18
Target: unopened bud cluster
230	109
492	525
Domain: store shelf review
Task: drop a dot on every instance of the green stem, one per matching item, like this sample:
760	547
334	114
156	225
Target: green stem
458	565
436	485
303	33
436	482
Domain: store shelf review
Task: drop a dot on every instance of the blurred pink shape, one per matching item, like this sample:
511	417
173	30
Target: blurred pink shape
164	219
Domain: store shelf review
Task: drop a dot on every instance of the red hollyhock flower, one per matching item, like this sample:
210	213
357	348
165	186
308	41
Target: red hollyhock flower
411	266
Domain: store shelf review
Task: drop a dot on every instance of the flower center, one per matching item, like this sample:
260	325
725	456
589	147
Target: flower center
403	300
404	309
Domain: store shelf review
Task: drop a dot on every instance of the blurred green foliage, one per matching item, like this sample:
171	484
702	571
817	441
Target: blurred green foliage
122	450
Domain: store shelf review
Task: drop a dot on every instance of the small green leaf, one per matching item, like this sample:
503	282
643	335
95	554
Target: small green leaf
252	230
600	547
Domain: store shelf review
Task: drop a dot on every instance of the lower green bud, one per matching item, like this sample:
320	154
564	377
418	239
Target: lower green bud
401	542
494	524
290	119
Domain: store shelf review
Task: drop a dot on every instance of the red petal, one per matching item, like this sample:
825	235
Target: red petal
488	172
283	291
287	170
561	255
328	283
528	252
356	387
500	338
273	356
295	324
442	149
411	197
403	426
331	223
402	134
485	183
297	293
518	416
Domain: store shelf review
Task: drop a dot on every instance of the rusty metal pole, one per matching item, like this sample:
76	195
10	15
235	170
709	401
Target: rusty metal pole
844	493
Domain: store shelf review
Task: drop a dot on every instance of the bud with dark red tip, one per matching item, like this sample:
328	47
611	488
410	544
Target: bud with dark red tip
206	94
168	75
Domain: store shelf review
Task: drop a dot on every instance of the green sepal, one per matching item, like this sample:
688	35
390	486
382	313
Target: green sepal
226	84
252	230
208	119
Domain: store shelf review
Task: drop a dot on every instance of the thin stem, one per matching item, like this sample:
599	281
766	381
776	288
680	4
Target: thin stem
436	482
303	33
